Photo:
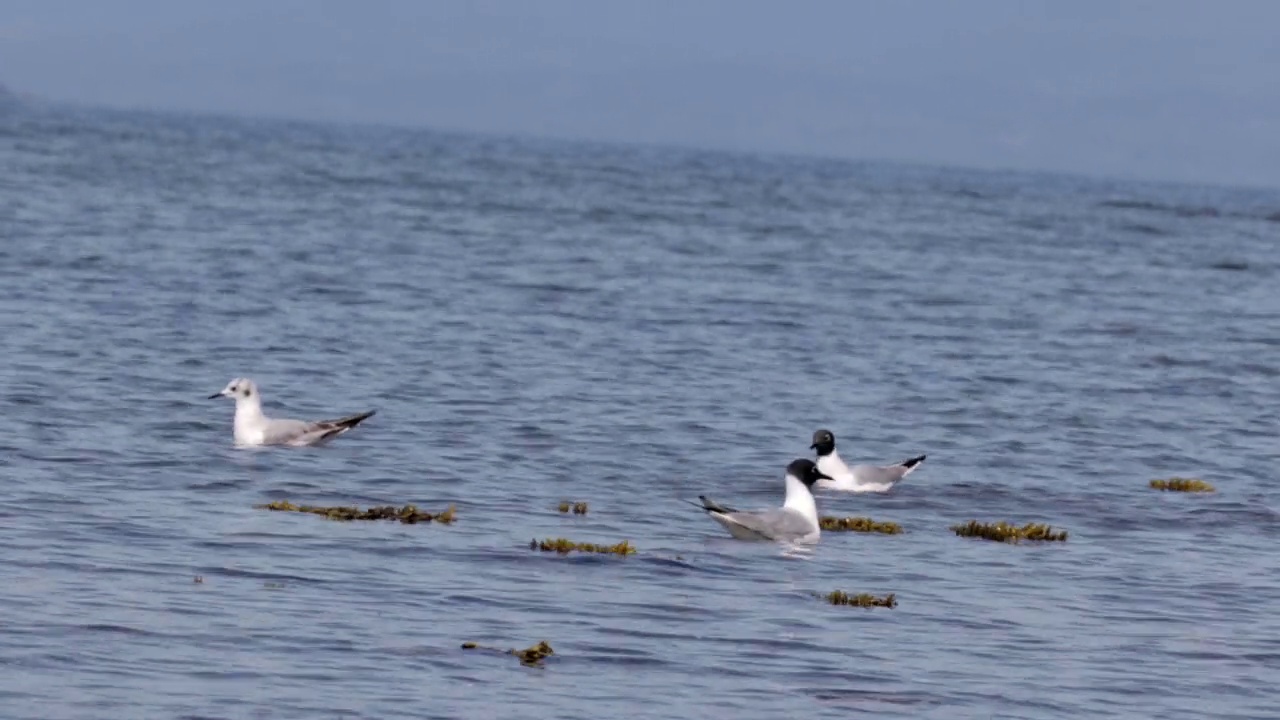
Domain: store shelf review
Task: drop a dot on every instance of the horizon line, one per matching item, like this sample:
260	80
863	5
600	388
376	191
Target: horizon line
27	98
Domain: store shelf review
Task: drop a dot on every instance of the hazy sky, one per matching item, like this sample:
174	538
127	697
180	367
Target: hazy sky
1166	89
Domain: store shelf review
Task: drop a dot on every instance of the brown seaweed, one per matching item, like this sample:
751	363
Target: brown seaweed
1004	532
1188	485
577	508
528	656
840	597
408	514
859	524
564	547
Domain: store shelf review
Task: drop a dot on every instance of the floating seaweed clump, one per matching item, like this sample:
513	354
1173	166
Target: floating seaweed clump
535	654
578	508
1183	485
564	547
840	597
409	514
859	524
528	656
1004	532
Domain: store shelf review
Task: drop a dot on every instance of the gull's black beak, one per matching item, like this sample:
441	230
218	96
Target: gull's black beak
813	446
215	396
824	476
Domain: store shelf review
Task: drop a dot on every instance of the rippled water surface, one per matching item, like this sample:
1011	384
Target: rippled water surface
631	327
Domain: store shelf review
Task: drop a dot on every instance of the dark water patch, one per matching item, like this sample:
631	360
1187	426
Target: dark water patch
213	572
25	398
867	699
117	629
225	484
942	301
1143	229
1176	209
1172	361
1230	265
623	657
1131	205
551	289
1186	211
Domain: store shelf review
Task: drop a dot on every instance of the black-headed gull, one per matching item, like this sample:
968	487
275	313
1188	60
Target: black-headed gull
859	478
795	521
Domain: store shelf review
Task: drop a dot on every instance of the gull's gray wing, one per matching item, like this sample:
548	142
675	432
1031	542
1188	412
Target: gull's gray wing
884	474
283	432
775	524
298	432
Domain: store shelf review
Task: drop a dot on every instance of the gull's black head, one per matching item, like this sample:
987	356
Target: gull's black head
806	472
824	442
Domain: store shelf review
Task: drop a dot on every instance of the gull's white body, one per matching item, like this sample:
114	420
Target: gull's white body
250	425
795	521
252	428
863	478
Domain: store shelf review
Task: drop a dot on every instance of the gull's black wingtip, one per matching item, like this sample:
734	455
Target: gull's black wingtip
913	461
355	420
712	506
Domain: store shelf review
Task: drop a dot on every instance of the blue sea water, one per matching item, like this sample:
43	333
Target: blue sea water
538	321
